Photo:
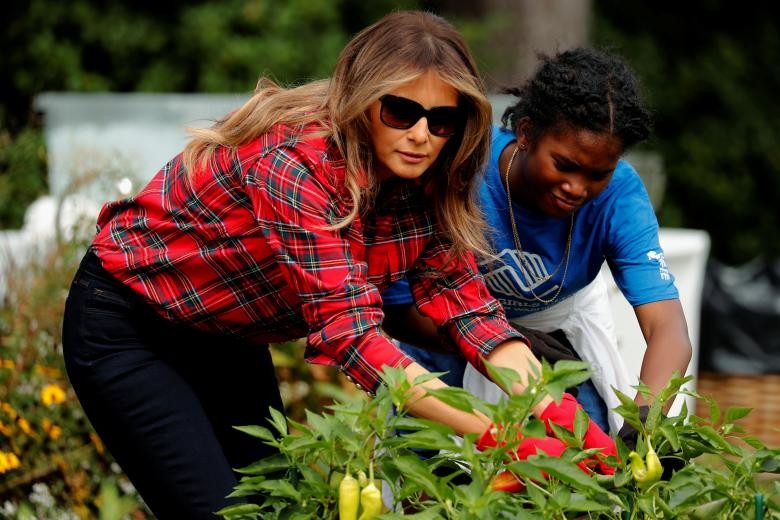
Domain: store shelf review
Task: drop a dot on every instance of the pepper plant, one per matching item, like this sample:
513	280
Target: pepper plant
699	466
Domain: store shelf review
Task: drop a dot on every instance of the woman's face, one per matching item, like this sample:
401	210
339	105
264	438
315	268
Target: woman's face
566	168
408	153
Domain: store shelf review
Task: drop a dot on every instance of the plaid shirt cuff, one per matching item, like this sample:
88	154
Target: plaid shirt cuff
476	337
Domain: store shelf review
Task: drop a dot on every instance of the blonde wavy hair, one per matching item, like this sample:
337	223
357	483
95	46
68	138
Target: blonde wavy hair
392	52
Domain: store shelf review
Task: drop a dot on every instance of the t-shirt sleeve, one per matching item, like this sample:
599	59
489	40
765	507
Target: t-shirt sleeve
634	252
398	293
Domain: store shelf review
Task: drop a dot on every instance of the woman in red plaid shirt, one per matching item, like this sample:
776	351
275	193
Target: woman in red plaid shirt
286	219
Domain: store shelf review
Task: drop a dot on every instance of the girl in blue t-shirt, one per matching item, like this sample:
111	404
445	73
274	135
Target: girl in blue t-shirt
560	202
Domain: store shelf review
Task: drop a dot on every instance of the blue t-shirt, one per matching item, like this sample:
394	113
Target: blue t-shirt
618	226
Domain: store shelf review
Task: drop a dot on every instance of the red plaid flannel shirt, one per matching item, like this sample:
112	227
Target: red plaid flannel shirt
243	248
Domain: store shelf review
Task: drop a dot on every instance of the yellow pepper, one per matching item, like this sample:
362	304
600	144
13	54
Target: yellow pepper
349	497
646	472
370	498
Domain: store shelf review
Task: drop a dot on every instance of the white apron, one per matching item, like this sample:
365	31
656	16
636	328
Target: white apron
586	319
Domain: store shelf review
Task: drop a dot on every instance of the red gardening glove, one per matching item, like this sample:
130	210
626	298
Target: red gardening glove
563	414
528	446
507	481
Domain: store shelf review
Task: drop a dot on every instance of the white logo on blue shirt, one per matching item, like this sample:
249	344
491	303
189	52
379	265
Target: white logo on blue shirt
515	277
663	270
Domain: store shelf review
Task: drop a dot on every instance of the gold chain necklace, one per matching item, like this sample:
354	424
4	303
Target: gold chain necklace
564	261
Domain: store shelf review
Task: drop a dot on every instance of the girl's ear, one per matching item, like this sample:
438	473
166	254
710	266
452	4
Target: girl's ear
523	132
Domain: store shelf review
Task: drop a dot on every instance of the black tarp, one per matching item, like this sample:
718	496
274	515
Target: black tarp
740	318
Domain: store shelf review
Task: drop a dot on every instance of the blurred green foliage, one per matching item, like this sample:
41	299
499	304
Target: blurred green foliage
712	75
172	46
22	173
60	467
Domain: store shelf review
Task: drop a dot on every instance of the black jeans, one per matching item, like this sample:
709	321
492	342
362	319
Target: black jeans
164	398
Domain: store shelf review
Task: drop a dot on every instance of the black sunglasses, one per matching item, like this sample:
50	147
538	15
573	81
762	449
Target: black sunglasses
403	113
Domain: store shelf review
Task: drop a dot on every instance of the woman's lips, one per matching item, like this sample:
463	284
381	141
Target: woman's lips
412	157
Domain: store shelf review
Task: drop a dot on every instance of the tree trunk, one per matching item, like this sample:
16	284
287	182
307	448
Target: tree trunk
526	28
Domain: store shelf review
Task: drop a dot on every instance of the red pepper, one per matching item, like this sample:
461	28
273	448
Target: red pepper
507	481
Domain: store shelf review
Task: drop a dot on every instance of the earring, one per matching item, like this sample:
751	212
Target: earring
523	146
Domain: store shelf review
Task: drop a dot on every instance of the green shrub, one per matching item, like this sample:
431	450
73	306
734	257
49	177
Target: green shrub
22	174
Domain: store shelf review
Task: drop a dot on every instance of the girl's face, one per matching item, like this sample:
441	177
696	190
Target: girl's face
565	168
408	153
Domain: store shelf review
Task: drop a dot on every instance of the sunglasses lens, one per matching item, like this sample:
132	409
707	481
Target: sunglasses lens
444	121
400	113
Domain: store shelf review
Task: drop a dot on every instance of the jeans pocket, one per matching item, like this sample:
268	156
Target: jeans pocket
105	298
100	321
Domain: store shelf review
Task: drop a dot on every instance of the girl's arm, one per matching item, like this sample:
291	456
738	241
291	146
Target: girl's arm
668	345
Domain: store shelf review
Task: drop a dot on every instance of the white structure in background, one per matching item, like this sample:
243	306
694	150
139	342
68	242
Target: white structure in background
686	252
125	138
103	146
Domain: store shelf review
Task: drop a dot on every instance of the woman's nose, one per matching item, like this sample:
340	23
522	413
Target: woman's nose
419	131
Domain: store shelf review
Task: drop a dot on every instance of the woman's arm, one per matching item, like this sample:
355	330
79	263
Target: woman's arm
512	354
668	345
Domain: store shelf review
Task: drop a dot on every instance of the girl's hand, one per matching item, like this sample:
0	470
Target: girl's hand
563	414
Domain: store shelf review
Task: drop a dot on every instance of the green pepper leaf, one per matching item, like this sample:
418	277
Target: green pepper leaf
567	472
424	378
239	511
734	413
430	440
257	431
415	470
270	464
580	504
670	434
281	488
581	422
456	397
278	420
502	376
319	424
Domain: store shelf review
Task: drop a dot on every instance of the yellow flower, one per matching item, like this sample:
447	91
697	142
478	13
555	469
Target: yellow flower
25	426
7	408
8	461
52	394
7	363
53	430
5	429
13	460
97	442
45	371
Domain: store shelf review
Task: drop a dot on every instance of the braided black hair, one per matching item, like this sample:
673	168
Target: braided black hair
586	89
